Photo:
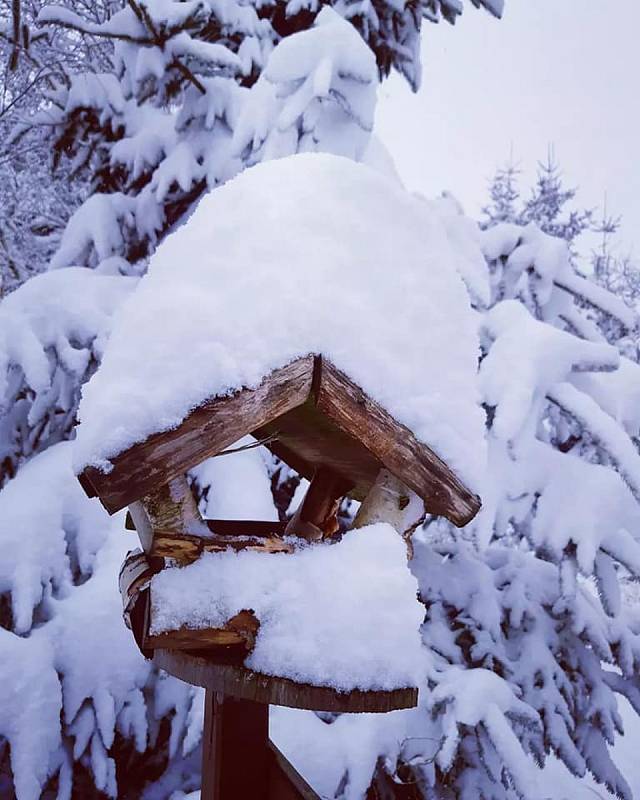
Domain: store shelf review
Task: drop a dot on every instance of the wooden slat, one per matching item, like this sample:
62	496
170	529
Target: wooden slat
395	446
186	548
240	630
204	432
285	782
187	639
240	682
245	527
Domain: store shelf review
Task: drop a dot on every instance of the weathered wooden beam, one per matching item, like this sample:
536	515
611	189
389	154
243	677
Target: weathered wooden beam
238	681
395	446
317	515
241	630
186	548
336	426
205	432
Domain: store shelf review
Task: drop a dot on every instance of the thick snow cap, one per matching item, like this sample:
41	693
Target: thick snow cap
307	254
344	615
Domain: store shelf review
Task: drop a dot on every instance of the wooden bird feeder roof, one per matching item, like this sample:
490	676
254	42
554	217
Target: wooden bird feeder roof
309	414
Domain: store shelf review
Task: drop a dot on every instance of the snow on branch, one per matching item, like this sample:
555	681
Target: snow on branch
602	516
527	356
119	26
603	428
597	297
317	92
52	333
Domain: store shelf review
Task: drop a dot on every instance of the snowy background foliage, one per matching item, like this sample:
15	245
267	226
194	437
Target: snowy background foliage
531	624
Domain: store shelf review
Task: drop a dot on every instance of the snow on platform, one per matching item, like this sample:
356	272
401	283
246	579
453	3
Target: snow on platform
307	254
342	615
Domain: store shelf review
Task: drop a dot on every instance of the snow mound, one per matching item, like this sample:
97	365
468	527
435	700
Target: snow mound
307	254
344	615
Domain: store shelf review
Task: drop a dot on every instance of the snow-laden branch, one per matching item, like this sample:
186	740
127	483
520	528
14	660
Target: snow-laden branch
603	428
118	27
597	297
525	357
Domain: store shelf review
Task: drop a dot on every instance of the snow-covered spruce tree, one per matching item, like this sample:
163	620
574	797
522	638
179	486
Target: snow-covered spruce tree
531	645
197	91
619	273
550	205
172	120
35	203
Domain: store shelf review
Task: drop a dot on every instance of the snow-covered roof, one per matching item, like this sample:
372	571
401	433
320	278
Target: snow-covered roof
307	254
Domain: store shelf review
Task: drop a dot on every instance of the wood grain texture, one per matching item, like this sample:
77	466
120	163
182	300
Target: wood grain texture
241	630
320	418
186	548
395	446
172	507
308	440
205	432
240	682
245	527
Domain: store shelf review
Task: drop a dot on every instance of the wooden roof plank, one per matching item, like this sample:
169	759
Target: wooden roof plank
206	431
342	427
395	446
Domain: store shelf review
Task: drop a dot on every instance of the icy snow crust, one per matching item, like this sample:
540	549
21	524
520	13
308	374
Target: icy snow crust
344	615
307	254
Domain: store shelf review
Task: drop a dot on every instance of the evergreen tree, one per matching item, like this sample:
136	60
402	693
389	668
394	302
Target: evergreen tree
191	93
504	196
546	205
35	203
529	638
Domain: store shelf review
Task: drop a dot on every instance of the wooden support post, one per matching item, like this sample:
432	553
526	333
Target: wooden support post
386	502
170	508
316	517
235	749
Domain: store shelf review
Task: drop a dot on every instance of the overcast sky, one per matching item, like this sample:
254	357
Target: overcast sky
565	72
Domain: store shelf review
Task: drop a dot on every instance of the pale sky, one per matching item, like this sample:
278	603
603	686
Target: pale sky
565	72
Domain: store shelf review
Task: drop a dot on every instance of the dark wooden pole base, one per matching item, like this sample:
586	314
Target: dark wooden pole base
235	749
238	760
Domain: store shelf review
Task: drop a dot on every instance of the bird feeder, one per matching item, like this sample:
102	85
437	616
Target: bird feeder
317	420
